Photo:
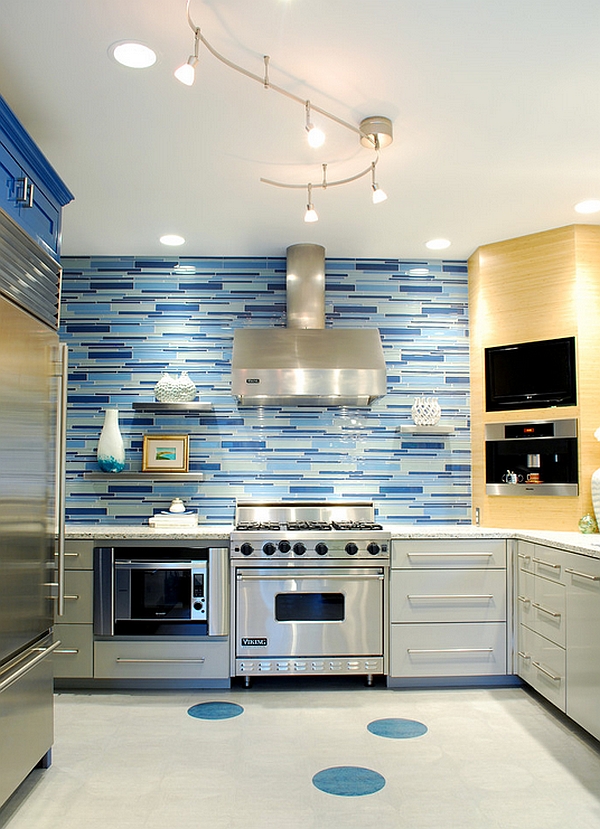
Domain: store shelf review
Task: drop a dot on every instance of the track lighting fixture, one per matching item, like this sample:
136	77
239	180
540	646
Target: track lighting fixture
186	73
311	214
379	195
374	132
316	137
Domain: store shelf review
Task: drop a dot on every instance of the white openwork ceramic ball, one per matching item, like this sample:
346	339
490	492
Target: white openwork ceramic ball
426	411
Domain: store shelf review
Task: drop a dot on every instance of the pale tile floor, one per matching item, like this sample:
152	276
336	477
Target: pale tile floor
491	758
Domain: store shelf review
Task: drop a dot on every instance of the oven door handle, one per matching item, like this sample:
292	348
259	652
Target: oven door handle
379	575
122	564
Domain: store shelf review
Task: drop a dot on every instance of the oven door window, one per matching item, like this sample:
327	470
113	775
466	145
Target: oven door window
309	607
160	593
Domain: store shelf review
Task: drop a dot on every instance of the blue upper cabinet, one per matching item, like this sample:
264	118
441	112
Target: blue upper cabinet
30	190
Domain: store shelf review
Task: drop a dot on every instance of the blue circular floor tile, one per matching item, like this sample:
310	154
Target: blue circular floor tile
348	781
215	710
397	729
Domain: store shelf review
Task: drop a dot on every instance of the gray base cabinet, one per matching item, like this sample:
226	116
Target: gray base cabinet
448	609
582	577
73	658
541	621
558	619
83	659
192	660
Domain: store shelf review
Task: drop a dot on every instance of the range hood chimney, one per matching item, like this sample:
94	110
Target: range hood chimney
306	364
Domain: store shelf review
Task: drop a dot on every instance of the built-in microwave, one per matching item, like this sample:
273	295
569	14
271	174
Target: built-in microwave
166	591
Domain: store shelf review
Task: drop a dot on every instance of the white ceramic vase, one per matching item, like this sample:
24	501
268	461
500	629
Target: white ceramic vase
426	411
185	387
596	495
111	450
165	390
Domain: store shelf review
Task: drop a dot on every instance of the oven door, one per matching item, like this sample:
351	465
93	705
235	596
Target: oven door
304	612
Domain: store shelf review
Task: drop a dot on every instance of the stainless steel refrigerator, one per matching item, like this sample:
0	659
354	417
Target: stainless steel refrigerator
30	500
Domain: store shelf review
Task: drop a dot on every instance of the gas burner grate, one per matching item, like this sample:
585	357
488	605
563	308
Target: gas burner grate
252	526
352	526
303	526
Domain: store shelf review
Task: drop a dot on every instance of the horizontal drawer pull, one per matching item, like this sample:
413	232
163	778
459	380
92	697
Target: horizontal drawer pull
583	575
546	672
449	650
71	555
546	610
488	596
73	598
546	563
163	661
524	599
68	651
523	556
524	655
450	555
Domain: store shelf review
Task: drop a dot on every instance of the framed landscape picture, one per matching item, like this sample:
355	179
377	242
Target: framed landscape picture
165	453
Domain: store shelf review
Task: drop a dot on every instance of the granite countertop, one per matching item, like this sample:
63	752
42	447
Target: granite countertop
576	542
209	532
573	541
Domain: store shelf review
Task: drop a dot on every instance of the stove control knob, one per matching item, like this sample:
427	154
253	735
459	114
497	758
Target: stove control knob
246	549
197	605
373	548
284	546
269	549
351	549
321	549
299	548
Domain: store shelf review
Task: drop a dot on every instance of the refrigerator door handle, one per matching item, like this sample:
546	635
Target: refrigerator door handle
41	654
61	454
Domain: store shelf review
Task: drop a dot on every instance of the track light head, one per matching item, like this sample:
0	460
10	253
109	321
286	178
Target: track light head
186	73
311	214
379	195
316	137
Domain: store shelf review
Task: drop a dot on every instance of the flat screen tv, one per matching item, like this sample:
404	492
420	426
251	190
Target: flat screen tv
531	375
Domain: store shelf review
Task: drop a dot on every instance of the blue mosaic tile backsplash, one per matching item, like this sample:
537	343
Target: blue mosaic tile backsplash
128	319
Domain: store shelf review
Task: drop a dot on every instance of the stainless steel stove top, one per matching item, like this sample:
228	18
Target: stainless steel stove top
308	530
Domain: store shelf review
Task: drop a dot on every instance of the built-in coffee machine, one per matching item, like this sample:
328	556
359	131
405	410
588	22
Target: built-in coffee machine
532	458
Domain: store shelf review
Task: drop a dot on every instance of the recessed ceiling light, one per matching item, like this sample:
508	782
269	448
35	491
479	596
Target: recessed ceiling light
132	54
437	244
172	239
418	271
588	206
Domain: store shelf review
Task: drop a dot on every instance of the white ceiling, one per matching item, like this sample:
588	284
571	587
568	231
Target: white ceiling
495	107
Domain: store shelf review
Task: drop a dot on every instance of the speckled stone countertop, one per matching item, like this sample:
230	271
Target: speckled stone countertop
587	544
573	541
203	532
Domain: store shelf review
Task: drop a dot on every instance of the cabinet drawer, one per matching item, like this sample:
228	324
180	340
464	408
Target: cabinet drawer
161	660
79	555
448	596
74	655
543	561
541	663
78	598
542	607
448	650
454	553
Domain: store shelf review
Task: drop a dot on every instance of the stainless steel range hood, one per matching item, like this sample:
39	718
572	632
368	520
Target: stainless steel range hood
307	364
